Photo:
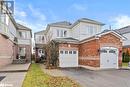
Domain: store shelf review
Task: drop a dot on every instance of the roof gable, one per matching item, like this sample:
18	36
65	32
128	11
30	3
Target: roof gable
97	36
22	27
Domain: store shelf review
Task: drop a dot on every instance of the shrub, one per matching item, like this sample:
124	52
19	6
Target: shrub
126	56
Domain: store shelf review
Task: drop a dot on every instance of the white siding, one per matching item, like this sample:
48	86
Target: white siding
76	31
24	41
25	38
126	42
85	30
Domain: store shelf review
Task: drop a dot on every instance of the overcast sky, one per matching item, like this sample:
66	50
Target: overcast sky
36	14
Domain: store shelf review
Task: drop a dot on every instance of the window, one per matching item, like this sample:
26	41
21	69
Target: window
7	19
58	33
61	52
22	34
42	38
103	51
112	51
74	52
61	33
65	33
91	29
22	51
70	52
66	52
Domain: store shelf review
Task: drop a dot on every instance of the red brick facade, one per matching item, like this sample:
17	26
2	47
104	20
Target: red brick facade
7	51
89	51
28	51
68	46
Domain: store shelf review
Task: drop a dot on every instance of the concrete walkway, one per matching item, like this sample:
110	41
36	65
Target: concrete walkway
15	68
14	75
14	79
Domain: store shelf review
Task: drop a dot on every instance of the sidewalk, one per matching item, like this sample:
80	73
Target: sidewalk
14	75
15	68
14	79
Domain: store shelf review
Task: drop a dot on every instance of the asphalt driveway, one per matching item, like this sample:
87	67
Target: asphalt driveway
104	78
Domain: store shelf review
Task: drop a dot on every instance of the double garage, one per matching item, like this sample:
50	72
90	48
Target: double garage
103	52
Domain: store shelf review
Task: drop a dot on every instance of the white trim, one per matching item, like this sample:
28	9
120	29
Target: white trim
114	33
117	66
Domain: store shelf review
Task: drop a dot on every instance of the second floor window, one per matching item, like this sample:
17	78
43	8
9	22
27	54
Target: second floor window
58	33
22	34
40	38
61	33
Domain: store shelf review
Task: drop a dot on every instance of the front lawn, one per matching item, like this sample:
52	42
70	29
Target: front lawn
37	78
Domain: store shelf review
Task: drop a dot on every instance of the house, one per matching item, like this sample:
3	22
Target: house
125	31
24	36
83	44
40	41
8	39
12	46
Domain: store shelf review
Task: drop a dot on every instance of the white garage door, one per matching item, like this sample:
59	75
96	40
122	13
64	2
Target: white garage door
68	58
109	57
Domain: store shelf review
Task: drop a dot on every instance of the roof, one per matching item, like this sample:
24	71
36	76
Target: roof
66	40
90	21
123	30
22	27
86	20
104	33
39	32
61	24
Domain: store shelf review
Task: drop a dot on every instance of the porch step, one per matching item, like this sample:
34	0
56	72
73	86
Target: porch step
19	61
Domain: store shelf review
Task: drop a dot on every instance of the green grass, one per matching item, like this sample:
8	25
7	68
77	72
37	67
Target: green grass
124	64
37	78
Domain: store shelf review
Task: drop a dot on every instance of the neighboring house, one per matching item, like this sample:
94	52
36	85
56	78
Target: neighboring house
40	41
125	31
8	40
24	35
80	30
83	44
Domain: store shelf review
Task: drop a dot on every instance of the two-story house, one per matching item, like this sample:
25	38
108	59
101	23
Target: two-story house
8	40
15	40
82	43
40	41
24	36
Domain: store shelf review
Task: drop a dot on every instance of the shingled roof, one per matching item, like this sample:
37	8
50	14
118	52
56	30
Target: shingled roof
66	40
90	21
123	30
22	27
61	24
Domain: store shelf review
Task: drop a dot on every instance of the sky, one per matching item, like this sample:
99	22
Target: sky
36	14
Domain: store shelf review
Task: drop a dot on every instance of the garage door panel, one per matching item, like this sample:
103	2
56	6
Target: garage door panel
109	57
69	58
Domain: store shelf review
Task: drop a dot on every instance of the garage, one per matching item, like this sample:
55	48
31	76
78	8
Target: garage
68	58
108	57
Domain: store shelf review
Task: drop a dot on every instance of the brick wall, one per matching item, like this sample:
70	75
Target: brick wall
28	51
7	52
111	40
89	51
68	46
